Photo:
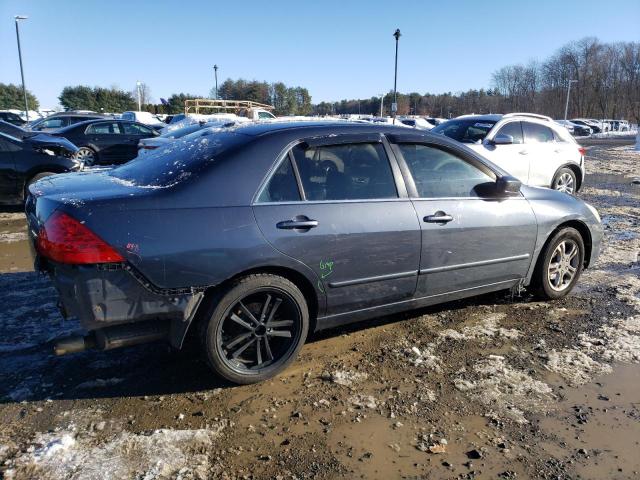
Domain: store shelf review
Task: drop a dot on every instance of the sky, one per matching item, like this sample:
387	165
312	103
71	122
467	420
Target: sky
336	49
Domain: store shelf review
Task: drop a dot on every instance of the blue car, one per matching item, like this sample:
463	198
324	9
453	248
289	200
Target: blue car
252	236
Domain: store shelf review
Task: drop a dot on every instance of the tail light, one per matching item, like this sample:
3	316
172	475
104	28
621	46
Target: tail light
64	239
147	147
582	150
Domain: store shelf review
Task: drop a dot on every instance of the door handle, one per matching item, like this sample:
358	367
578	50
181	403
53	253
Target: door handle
524	152
302	223
438	217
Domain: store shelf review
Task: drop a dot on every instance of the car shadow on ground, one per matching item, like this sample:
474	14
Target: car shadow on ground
30	322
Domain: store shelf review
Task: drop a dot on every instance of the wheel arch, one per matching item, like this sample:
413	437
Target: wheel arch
298	279
575	169
581	227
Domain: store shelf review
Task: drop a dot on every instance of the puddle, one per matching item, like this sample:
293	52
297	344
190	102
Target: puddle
15	253
598	426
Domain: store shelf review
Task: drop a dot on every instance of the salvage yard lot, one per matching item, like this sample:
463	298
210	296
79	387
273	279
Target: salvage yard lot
494	386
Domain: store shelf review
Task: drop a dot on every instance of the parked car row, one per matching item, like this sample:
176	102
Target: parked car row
26	157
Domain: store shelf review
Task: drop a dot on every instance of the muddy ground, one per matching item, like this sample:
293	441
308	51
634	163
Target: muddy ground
499	386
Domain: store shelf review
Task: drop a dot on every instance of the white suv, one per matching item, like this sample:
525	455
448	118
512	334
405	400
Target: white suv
532	148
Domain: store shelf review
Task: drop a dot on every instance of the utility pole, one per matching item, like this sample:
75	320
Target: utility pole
215	73
381	103
394	107
566	106
138	85
24	89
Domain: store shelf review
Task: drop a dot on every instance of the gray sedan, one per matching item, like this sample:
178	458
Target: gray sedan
250	237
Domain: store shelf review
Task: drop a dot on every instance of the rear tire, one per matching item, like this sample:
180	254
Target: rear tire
565	181
254	328
559	265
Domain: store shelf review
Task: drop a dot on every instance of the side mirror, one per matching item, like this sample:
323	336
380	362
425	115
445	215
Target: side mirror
502	139
508	186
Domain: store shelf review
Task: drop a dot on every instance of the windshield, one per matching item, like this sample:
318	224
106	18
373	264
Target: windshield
467	130
178	161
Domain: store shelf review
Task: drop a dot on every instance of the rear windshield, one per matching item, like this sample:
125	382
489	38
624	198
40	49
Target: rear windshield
178	160
465	130
181	132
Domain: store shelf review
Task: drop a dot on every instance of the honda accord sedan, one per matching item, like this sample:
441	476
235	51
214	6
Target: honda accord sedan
251	237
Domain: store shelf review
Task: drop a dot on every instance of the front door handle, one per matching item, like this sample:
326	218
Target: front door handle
438	217
300	222
524	152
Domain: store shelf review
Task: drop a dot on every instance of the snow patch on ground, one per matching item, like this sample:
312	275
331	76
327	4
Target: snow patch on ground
508	392
160	454
575	366
344	377
425	357
616	342
488	327
11	237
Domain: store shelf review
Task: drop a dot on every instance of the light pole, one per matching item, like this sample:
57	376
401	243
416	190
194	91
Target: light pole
138	85
24	89
566	106
215	73
394	107
381	103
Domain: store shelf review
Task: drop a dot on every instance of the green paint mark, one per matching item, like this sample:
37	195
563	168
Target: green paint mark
326	269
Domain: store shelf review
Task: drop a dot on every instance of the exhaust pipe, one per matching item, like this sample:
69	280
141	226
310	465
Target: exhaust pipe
114	337
74	344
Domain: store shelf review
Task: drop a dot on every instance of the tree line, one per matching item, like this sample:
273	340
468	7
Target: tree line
607	85
606	75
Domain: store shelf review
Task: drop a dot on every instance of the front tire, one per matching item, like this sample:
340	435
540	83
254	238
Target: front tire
560	265
254	328
565	181
87	156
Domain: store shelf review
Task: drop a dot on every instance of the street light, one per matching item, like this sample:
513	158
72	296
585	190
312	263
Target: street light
394	107
215	73
566	106
24	89
138	85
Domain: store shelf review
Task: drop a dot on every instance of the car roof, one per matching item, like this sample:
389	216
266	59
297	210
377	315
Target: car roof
494	117
267	127
96	120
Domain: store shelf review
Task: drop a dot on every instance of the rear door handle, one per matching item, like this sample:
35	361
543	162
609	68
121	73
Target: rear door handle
303	223
524	152
438	217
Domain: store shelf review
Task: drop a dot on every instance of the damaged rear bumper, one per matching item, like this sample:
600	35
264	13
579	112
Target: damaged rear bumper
119	307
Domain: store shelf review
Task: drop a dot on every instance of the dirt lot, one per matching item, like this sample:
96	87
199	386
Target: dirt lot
499	386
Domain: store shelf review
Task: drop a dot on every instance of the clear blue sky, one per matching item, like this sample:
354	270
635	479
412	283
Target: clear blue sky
337	49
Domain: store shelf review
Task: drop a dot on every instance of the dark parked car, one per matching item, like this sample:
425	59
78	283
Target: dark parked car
106	142
12	118
253	236
61	120
26	158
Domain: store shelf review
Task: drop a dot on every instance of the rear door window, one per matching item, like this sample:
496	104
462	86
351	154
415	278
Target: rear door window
355	171
514	130
52	123
535	133
282	187
440	174
107	128
135	129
